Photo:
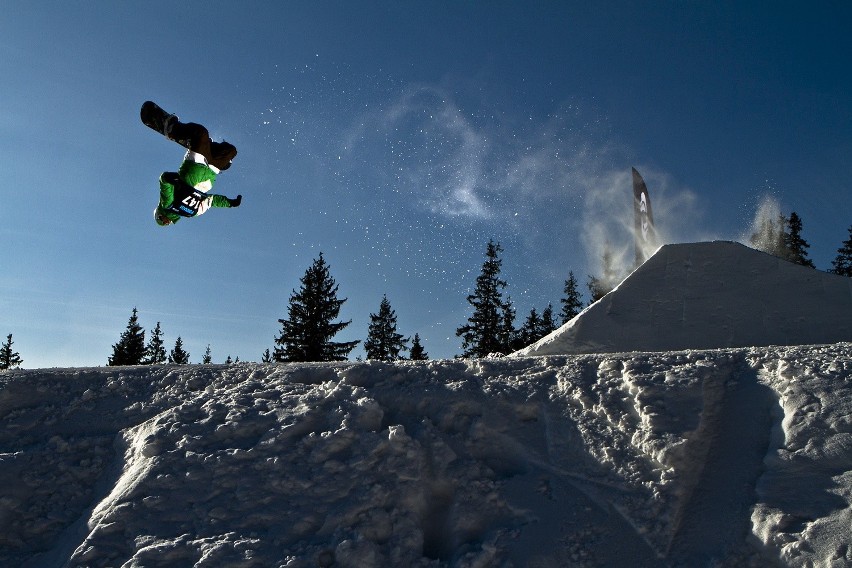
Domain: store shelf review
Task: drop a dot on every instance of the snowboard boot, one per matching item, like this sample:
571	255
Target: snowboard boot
222	153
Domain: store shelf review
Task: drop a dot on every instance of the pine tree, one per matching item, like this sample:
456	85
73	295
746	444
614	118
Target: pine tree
155	351
600	287
795	246
208	357
178	356
228	360
597	290
266	357
307	332
485	332
130	349
528	334
383	342
417	352
535	327
572	303
509	336
842	265
547	324
9	359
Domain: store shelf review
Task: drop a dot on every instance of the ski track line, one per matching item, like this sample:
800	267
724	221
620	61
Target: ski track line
713	520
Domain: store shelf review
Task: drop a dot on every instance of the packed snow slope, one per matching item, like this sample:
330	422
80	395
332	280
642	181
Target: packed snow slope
738	457
710	295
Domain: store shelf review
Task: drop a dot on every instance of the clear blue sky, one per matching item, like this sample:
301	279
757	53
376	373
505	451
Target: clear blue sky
396	138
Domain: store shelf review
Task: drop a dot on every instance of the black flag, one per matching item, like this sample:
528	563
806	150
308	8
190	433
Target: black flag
644	221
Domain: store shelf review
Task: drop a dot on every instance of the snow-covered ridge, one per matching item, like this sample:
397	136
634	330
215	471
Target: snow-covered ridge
706	296
741	456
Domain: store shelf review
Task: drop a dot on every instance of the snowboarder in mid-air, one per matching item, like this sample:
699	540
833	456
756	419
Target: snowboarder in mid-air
185	193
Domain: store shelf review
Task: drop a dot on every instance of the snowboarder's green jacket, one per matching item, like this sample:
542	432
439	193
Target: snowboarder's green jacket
184	194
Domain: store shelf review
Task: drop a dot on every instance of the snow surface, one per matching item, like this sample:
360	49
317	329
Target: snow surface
726	457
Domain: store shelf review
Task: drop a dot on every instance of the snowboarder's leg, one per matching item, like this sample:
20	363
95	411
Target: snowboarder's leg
197	138
190	135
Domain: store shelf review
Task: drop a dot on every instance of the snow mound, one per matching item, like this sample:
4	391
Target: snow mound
706	296
739	457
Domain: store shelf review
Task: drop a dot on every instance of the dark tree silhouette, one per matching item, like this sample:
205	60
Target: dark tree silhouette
485	331
306	334
9	359
130	349
383	342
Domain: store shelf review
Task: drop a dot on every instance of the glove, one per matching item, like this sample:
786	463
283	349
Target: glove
235	202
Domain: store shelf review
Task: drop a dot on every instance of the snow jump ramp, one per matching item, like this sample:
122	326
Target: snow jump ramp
709	295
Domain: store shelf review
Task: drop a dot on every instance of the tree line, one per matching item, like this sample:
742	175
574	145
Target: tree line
308	331
490	330
132	349
306	334
782	237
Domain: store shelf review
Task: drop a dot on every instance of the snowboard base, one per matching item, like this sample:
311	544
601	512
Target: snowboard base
160	121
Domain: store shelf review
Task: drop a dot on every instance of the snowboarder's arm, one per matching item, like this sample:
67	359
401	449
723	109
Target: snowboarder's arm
222	201
214	200
167	191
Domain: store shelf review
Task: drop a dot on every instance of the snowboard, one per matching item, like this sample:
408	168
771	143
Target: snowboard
160	121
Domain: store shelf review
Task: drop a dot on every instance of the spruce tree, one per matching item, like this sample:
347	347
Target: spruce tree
572	303
600	287
417	352
528	334
178	356
307	332
208	357
795	247
547	324
535	327
485	331
155	351
508	334
383	342
842	265
266	357
130	349
9	359
597	289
